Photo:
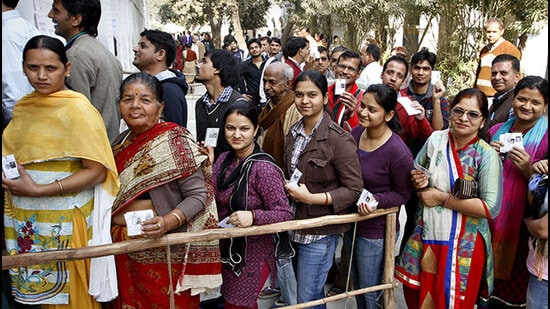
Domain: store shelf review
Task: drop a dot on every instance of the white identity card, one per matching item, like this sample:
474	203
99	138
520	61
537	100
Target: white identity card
340	86
407	104
422	169
295	178
224	223
9	166
212	136
436	76
511	140
368	198
134	220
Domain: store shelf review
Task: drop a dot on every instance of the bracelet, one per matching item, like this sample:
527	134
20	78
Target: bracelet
177	217
253	216
422	189
326	199
60	187
447	200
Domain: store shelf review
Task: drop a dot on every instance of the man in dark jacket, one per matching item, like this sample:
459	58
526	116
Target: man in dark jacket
505	74
154	54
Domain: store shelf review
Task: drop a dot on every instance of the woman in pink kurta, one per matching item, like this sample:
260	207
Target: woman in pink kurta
509	233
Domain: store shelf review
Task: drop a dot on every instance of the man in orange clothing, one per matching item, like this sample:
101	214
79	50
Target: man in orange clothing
497	45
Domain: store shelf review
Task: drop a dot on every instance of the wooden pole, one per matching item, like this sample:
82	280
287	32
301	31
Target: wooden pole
389	259
348	294
139	244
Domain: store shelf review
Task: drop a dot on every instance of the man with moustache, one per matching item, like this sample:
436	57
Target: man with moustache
505	74
342	108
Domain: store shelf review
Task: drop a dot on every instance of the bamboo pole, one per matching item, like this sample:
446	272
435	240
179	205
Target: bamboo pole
385	286
389	259
139	244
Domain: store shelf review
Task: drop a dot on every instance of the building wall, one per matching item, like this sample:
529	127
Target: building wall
119	27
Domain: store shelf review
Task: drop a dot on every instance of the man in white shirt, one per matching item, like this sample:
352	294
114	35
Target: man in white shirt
370	57
16	31
304	32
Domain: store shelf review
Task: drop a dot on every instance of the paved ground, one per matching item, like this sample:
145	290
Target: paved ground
348	303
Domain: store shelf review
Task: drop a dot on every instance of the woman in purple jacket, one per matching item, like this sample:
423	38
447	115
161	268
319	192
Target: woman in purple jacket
249	189
386	163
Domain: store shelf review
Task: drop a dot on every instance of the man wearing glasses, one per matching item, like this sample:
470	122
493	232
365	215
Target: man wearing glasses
321	64
342	104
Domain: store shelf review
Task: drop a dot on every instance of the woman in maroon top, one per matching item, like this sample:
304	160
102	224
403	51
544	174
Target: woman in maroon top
249	189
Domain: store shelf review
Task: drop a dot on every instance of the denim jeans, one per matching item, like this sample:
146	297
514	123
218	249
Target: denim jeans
367	268
537	293
313	262
286	280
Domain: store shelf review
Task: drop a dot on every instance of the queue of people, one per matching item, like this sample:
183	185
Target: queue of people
468	242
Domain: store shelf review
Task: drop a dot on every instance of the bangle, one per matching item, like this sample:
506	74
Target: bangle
422	189
447	200
326	199
253	216
177	217
60	187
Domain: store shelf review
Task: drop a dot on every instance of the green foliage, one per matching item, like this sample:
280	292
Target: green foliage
461	23
253	13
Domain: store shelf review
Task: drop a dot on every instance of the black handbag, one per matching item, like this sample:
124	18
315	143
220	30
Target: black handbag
465	189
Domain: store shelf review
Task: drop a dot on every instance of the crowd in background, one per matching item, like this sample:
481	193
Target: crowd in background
285	130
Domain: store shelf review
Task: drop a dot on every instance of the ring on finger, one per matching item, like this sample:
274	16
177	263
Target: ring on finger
158	224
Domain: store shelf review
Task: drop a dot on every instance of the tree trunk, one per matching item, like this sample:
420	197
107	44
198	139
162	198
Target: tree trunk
215	24
236	21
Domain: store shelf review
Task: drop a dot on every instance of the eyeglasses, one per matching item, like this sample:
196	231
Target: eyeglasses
472	115
419	68
344	67
322	59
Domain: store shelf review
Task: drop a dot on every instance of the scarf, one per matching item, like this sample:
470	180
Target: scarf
444	173
531	139
338	111
154	158
272	120
235	257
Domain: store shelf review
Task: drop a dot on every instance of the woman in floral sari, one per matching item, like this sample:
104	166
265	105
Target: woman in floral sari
161	170
510	235
449	252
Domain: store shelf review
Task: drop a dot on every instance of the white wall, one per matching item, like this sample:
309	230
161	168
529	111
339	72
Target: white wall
120	19
534	60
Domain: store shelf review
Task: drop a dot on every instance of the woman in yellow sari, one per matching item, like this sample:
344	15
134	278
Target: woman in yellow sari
67	184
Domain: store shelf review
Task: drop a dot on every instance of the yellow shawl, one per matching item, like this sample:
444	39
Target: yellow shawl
60	125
